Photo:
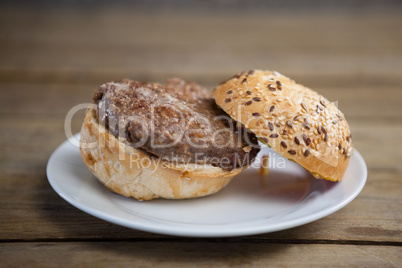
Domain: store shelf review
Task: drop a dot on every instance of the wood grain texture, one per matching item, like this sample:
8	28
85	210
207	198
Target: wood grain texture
200	254
53	59
354	98
364	220
129	42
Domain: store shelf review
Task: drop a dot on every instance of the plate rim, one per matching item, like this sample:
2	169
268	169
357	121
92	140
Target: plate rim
228	232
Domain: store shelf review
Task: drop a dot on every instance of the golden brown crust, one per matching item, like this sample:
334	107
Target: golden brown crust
129	172
294	120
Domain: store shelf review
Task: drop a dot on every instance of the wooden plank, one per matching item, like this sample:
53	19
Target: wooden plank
205	77
356	99
200	254
373	217
127	28
128	41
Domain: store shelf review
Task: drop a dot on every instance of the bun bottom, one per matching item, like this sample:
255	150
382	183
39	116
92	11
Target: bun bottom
132	173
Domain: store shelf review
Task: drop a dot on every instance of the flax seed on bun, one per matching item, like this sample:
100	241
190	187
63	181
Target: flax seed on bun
292	119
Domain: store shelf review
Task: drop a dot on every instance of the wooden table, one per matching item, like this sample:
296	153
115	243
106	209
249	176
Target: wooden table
51	60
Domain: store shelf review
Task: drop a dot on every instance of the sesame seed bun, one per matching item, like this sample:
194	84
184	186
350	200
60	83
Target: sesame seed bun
292	119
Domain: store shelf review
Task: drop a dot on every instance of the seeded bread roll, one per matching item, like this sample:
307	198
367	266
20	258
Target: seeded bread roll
133	173
292	119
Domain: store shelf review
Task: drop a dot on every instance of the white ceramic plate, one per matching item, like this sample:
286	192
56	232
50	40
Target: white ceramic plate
250	204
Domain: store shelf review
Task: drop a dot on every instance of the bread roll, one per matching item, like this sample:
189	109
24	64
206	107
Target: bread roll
292	119
132	173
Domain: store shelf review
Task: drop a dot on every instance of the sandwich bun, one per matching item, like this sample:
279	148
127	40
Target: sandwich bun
292	119
133	173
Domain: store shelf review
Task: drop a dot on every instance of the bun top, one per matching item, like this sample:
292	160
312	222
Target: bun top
292	119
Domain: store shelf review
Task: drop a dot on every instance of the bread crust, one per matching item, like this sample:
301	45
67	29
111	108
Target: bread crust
292	119
132	173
